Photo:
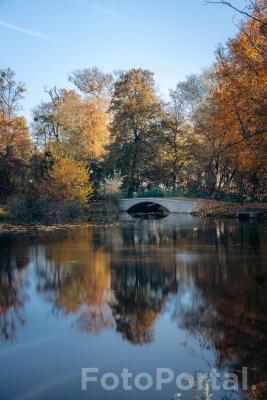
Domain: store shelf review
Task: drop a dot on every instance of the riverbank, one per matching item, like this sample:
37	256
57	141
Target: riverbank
41	228
101	215
221	209
104	214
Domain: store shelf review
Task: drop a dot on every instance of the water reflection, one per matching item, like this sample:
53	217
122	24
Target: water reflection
13	284
75	278
208	276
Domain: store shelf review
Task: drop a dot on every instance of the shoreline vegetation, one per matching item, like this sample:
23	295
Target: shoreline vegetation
112	135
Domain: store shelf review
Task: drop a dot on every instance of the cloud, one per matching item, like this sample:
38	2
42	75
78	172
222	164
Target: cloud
27	31
99	8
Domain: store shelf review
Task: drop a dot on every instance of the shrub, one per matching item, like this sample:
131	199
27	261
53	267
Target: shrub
4	215
44	210
62	194
194	194
110	187
56	211
17	207
67	181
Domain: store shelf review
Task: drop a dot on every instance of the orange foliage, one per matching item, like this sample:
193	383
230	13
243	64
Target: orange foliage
241	97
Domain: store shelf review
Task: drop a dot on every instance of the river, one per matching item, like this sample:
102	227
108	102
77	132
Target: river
179	293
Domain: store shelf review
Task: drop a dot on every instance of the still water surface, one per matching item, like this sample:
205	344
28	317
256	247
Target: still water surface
178	293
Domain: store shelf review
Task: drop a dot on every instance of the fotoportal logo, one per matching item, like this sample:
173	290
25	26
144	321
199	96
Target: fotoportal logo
143	381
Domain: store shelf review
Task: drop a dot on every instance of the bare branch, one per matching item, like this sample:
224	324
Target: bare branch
228	4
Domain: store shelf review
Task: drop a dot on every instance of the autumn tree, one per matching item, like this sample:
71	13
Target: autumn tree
136	125
176	162
69	124
236	121
187	150
227	109
84	127
14	134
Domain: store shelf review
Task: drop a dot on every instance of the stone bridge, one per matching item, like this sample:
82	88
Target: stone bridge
172	205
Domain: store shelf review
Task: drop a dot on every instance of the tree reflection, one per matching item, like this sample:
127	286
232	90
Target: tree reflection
76	279
141	293
211	274
226	307
81	276
13	283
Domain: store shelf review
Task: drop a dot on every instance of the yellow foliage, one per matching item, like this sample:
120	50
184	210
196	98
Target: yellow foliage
84	132
14	138
67	181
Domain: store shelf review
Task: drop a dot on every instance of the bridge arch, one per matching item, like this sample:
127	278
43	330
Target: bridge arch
148	207
172	205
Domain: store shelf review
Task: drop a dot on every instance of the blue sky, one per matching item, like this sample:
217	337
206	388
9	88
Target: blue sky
43	40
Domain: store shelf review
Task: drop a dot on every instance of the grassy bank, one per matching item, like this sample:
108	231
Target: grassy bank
222	209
